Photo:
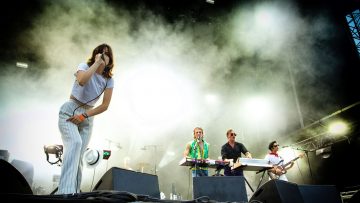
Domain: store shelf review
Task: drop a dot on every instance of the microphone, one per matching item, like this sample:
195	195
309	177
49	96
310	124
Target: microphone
102	57
107	68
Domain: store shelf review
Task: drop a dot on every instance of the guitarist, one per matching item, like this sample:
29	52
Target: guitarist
279	169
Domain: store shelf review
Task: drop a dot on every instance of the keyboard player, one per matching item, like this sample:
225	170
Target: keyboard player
198	149
231	151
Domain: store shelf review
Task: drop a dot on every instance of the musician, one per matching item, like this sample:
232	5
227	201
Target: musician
231	151
198	149
277	172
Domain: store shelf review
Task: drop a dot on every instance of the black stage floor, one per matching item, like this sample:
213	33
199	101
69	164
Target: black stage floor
90	197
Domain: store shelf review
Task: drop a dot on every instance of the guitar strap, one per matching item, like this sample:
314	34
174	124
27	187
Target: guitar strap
282	160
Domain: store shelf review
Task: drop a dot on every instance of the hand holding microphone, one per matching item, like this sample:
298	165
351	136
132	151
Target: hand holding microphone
103	57
100	58
199	139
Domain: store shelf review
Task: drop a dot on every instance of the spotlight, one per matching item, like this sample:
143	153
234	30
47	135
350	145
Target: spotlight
324	152
22	65
57	150
210	1
338	128
93	156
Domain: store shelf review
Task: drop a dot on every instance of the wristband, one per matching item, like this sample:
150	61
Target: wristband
85	115
81	117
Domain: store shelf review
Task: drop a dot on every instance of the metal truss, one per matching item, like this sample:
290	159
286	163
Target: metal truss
316	136
320	141
353	20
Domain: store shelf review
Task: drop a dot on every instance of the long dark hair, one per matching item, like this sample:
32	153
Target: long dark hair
110	65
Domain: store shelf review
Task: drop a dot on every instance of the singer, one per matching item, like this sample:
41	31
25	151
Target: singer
198	149
92	79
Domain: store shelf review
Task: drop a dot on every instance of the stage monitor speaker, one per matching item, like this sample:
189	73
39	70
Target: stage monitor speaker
11	180
277	191
355	198
130	181
320	194
25	168
220	188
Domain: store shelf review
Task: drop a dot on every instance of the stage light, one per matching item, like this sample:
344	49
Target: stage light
93	156
210	1
22	65
106	154
57	150
338	128
258	108
212	99
324	152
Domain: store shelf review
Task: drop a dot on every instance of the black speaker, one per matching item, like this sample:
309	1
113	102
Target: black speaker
320	194
277	191
11	180
355	198
130	181
220	188
25	168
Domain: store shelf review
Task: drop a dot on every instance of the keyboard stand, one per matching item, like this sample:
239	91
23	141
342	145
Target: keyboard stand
261	179
248	184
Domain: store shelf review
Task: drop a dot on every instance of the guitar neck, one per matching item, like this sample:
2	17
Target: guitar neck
294	159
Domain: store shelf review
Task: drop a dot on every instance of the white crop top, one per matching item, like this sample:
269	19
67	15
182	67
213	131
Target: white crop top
92	89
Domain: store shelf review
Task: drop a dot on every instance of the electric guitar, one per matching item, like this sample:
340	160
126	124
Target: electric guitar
282	168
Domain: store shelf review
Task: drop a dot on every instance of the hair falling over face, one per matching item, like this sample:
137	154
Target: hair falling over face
107	50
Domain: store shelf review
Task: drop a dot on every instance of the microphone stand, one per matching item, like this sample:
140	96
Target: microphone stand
155	155
196	169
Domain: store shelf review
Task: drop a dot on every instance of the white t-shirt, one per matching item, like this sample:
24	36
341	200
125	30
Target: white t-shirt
276	160
90	93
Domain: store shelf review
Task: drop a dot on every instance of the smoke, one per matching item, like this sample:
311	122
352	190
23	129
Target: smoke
164	73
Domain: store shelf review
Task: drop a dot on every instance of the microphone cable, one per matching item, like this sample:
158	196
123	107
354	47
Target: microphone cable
107	80
91	99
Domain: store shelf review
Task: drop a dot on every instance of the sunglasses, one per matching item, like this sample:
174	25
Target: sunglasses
233	134
276	145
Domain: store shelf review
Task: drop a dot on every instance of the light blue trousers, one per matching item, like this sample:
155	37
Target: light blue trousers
75	140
